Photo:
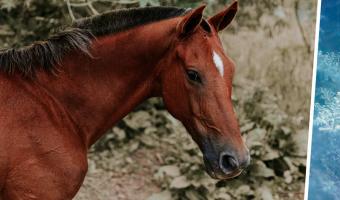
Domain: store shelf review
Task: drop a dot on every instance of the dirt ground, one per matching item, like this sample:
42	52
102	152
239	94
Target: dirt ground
100	184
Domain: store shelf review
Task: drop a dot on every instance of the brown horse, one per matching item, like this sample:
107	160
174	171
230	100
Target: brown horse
59	96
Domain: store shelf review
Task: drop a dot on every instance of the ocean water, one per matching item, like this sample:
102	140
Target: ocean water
324	183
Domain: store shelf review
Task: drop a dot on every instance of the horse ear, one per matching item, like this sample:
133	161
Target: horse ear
190	21
223	19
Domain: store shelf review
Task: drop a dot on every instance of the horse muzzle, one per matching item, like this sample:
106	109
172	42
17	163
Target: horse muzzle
226	164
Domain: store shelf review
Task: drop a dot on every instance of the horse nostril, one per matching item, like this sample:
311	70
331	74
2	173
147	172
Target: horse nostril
228	163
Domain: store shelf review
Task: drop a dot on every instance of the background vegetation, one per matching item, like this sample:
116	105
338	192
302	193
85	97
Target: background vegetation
149	155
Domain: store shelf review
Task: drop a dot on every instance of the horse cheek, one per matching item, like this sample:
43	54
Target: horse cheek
172	94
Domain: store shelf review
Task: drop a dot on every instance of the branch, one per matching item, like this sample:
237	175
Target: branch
89	4
128	2
112	1
302	31
70	10
93	10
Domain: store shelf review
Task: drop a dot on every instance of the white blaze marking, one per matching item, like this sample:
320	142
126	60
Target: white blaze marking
218	63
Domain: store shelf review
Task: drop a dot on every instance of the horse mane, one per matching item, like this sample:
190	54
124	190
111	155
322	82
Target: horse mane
78	37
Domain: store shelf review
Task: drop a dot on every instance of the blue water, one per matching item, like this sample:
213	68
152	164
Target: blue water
330	26
324	183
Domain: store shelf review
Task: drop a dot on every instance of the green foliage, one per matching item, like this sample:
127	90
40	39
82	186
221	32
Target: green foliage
277	168
24	22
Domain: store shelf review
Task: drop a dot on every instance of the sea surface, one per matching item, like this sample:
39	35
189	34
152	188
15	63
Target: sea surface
324	183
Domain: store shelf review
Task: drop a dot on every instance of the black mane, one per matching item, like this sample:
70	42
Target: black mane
47	54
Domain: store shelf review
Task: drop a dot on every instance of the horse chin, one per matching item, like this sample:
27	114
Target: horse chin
209	169
231	176
218	174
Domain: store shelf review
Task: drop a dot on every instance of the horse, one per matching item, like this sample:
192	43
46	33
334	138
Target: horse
59	96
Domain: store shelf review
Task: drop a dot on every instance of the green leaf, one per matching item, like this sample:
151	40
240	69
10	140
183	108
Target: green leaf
193	195
300	139
247	127
264	193
8	4
165	195
271	155
154	2
261	170
256	137
144	3
180	182
224	196
170	170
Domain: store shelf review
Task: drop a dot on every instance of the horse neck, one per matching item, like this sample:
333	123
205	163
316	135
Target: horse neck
97	92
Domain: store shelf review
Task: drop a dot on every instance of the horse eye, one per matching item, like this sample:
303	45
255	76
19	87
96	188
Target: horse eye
194	76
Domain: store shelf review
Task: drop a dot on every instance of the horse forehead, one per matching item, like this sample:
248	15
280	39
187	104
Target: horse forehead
218	62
